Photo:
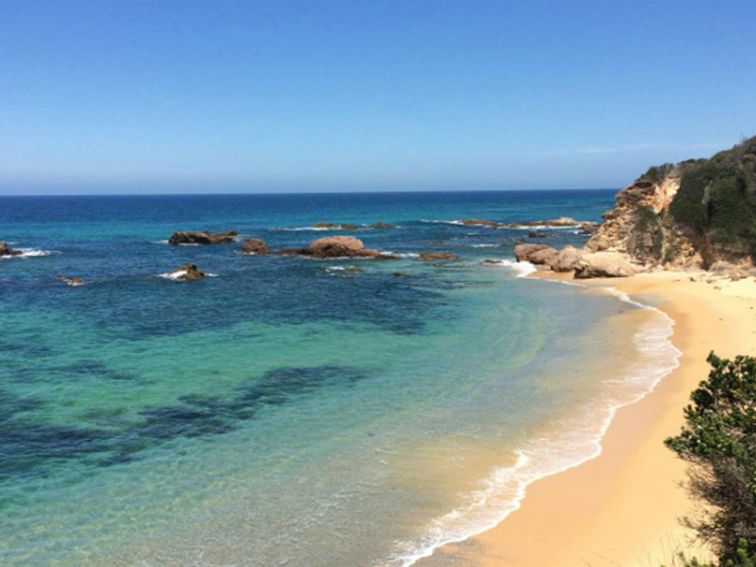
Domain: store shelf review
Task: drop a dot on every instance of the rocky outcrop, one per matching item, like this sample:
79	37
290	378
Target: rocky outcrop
603	265
187	272
255	247
381	225
72	281
202	237
544	257
338	247
688	215
335	226
6	250
523	252
436	256
567	259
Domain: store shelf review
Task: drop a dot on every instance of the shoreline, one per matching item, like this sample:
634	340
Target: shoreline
621	506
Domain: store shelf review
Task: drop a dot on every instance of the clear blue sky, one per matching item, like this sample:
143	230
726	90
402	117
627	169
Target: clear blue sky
109	96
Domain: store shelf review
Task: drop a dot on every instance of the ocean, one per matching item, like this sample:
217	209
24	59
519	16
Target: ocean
286	410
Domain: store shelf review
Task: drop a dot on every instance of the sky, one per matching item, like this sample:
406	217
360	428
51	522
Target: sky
266	96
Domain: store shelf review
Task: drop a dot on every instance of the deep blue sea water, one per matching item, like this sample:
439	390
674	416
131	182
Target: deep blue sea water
288	410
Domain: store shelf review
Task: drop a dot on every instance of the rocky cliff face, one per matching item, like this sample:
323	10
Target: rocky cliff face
688	215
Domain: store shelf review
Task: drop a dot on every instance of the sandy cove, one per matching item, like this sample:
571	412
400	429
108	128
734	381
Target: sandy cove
622	508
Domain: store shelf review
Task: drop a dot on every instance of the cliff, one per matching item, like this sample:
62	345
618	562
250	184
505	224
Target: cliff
687	215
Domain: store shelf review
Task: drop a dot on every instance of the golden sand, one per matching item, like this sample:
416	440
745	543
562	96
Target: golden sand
623	508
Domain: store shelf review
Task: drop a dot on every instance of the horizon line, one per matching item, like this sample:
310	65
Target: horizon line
307	192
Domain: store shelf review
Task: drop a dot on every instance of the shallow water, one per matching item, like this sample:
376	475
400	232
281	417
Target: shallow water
289	411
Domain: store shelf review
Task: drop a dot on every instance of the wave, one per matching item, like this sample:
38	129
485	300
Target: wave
577	441
178	273
30	253
484	245
522	269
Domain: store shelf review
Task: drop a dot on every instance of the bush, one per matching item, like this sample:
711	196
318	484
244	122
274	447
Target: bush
719	441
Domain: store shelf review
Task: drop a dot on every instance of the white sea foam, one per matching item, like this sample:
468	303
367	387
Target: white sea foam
30	253
180	273
522	269
577	440
484	245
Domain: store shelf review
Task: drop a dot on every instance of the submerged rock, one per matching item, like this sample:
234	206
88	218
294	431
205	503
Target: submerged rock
434	256
202	237
73	281
603	265
561	222
482	222
6	250
255	246
336	226
338	247
539	234
381	225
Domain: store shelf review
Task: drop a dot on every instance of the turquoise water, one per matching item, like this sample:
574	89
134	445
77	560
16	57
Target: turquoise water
288	411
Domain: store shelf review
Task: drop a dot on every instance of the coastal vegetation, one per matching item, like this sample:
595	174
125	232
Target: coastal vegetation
718	441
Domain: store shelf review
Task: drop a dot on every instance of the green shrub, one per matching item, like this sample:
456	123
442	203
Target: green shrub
645	218
719	441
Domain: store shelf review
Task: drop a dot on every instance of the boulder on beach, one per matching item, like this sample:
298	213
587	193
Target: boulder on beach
435	256
72	281
255	246
543	257
338	247
187	272
603	265
6	250
567	259
336	226
523	251
202	237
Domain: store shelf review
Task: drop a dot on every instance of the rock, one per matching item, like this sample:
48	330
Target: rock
71	280
523	251
400	275
603	265
720	267
187	272
256	247
353	269
737	275
490	261
338	247
561	222
539	234
567	259
434	256
202	237
544	256
6	250
482	222
381	225
336	226
520	240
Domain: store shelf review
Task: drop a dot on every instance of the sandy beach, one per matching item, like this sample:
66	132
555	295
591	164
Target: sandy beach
623	508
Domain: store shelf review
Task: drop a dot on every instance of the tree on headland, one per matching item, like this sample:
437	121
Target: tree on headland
718	440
